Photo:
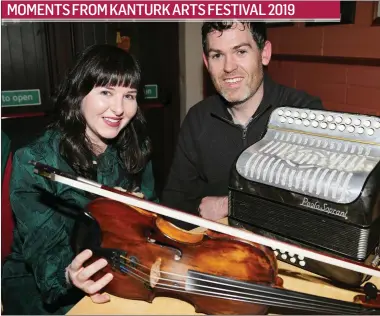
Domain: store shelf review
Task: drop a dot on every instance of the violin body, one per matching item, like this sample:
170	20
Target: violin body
150	257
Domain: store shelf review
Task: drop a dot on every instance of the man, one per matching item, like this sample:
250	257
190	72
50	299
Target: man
217	129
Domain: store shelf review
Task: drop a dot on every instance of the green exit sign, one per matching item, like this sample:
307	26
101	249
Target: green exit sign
20	98
151	91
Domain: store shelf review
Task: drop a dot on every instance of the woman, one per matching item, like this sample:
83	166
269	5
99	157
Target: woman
99	133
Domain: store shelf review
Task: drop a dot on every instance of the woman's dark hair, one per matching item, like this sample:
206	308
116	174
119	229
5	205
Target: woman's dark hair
99	65
258	31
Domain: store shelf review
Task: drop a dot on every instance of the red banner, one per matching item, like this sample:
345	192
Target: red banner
271	11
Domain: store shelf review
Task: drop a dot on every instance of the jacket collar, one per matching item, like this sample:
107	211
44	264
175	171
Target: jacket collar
105	161
269	98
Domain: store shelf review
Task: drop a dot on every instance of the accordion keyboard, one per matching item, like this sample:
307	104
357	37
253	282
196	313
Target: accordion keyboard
323	154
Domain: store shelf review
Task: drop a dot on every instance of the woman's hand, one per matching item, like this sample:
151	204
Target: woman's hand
80	276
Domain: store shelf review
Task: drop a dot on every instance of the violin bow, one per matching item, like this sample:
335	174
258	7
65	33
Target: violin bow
116	195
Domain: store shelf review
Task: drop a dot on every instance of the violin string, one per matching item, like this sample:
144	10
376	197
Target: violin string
287	303
254	298
253	287
270	302
313	305
292	298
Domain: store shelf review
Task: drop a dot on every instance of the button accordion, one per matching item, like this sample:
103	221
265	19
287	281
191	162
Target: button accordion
313	180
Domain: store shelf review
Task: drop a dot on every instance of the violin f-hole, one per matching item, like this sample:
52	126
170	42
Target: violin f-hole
177	252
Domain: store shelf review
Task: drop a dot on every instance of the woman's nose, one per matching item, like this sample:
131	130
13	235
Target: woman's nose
117	106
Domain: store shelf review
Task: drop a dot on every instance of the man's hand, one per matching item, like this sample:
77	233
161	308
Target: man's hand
214	207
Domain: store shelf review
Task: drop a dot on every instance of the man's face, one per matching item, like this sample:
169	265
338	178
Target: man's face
235	63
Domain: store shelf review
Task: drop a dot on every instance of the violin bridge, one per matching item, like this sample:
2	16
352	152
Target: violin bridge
155	273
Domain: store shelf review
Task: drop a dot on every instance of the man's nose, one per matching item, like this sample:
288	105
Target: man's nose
229	64
117	106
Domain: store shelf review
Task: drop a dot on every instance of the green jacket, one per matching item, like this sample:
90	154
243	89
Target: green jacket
33	280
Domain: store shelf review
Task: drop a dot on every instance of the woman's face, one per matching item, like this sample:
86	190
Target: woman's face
107	110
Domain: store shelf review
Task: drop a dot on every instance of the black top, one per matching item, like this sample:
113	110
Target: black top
209	142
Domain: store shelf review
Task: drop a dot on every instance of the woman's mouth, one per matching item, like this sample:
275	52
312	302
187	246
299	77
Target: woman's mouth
113	122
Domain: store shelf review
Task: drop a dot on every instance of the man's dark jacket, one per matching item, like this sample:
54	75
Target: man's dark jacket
209	142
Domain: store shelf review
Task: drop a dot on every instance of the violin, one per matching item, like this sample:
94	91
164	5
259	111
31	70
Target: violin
216	272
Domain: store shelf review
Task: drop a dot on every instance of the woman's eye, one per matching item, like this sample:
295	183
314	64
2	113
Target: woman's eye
105	92
130	97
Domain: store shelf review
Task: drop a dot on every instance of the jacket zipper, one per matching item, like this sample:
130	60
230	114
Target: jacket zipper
244	129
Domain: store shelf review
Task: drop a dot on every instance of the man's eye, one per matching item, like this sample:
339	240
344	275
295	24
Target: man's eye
241	52
215	56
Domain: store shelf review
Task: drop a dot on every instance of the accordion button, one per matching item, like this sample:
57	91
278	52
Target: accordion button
282	119
323	124
360	130
357	122
329	118
312	116
350	129
280	112
338	119
367	123
302	263
370	131
306	122
304	115
292	260
284	256
341	128
332	126
376	124
347	120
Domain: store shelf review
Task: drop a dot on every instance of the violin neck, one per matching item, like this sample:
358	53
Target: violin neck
227	288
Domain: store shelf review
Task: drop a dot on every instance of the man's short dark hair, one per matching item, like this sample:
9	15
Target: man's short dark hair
258	31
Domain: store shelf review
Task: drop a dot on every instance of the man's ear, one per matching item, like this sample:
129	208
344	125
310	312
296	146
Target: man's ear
205	60
266	53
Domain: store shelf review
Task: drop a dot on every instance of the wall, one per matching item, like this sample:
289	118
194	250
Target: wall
24	61
190	52
304	58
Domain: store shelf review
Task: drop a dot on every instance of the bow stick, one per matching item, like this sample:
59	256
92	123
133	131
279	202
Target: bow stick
114	194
